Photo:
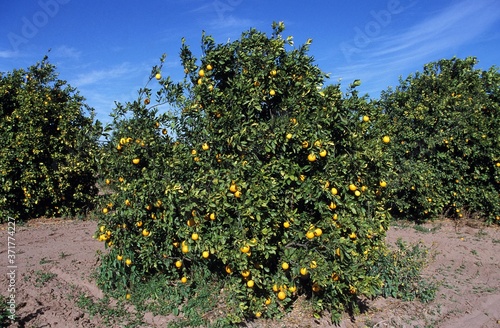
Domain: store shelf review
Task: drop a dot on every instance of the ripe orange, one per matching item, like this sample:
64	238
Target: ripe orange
250	283
205	146
383	184
311	157
273	72
303	271
145	233
158	76
310	234
292	289
233	188
281	295
285	266
286	224
245	273
318	232
268	301
209	67
386	139
305	144
334	191
289	136
352	187
205	254
201	73
178	264
127	202
357	193
184	280
245	249
366	118
212	216
272	92
139	224
128	262
128	296
258	314
237	194
195	236
323	153
119	257
185	249
228	269
313	265
105	210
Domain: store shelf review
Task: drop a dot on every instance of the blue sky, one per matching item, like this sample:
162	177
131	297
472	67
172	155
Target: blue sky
106	48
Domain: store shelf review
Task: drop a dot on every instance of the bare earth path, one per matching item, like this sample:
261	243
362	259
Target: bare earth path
55	260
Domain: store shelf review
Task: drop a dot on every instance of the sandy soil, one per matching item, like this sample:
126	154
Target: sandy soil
55	260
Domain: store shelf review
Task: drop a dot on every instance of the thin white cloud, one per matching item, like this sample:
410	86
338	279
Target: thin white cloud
8	54
95	76
438	36
66	52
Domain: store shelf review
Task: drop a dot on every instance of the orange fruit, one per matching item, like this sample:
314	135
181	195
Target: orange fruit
128	262
303	271
195	236
313	265
366	118
145	233
311	157
386	139
245	249
250	283
323	153
286	224
318	232
334	191
310	234
352	187
119	257
281	295
272	92
178	264
184	280
105	210
383	184
285	266
205	254
245	273
209	67
201	73
158	76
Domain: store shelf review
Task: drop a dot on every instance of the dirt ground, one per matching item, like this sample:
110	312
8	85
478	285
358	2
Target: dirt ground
55	260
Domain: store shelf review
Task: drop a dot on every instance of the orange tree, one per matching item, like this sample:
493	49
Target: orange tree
48	145
445	146
259	174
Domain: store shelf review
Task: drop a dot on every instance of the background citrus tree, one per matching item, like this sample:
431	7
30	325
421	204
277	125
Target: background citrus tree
259	173
445	124
48	145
